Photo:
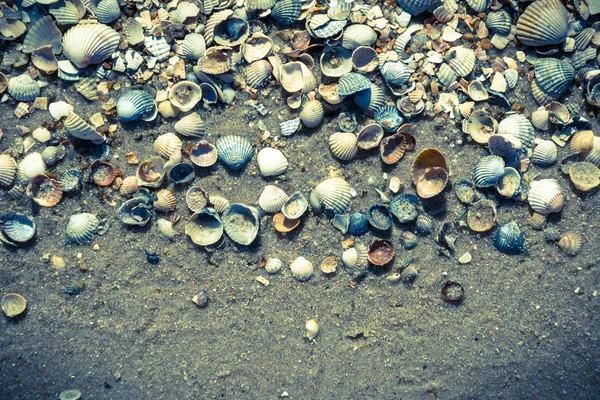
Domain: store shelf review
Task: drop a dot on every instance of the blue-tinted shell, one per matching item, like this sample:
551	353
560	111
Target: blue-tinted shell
136	211
359	224
134	105
286	12
380	217
234	151
182	173
370	100
389	118
241	223
70	180
553	75
209	93
341	222
396	73
488	170
508	238
351	83
404	207
424	224
416	7
16	228
81	227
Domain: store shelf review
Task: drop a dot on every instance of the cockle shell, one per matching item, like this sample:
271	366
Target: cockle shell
165	145
553	75
158	47
295	76
185	95
295	206
89	43
461	60
241	223
204	154
204	227
519	126
41	33
23	88
343	145
234	151
545	153
134	105
107	11
302	269
8	169
335	61
488	171
191	125
416	7
546	196
334	195
571	243
582	142
80	129
544	22
193	46
312	114
257	73
272	199
81	227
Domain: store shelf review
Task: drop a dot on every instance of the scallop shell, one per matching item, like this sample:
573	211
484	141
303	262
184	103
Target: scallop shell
593	156
129	186
257	73
479	5
508	238
65	13
343	145
540	119
396	73
204	154
165	201
334	194
295	76
461	60
8	169
302	269
499	21
370	100
323	27
134	105
312	114
511	76
583	38
446	75
416	7
234	151
44	191
543	23
41	33
553	76
365	59
165	145
185	95
352	82
582	142
271	162
241	223
571	243
519	126
133	31
212	22
215	61
23	88
80	129
335	61
286	12
191	125
389	118
290	127
545	153
193	46
509	183
88	43
218	202
82	227
16	228
196	199
107	11
356	260
546	196
204	227
488	171
272	199
158	47
102	173
231	32
257	47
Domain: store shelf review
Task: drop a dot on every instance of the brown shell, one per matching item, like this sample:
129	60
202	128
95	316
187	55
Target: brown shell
329	265
392	148
482	216
102	173
381	252
44	191
428	158
432	182
582	142
165	200
283	224
537	221
571	243
216	60
204	154
129	186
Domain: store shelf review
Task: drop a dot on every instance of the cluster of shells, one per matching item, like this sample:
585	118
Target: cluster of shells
390	64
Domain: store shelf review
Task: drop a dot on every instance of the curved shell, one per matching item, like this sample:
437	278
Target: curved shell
151	173
234	151
511	76
370	136
134	32
16	228
545	153
396	73
88	43
23	88
499	21
488	171
392	148
204	227
370	100
416	7
461	60
257	73
181	173
312	114
13	305
584	176
107	11
167	144
301	269
196	199
582	142
509	183
77	127
215	61
272	199
508	147
295	206
135	211
352	82
165	200
257	47
519	126
427	159
334	194
185	95
593	156
571	243
389	118
544	22
218	202
480	126
41	33
482	216
380	217
322	27
134	105
358	224
241	223
44	60
44	191
295	76
102	173
356	260
191	125
231	32
335	61
508	238
479	5
365	59
554	76
546	196
286	12
30	166
271	162
204	154
158	47
477	92
8	169
82	227
343	145
193	46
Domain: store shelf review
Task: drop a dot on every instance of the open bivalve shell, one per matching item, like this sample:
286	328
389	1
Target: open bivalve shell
204	227
185	95
241	223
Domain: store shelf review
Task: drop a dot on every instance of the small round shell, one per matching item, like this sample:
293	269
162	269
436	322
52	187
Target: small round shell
312	329
165	145
312	114
343	145
134	105
241	223
271	162
272	199
88	43
185	95
81	227
165	200
356	260
545	153
234	151
571	243
14	304
508	238
295	206
204	154
129	186
302	269
191	125
204	227
357	35
544	22
582	142
23	88
30	166
546	196
584	176
488	171
196	198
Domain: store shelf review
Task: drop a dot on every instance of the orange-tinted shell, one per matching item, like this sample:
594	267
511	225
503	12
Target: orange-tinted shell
165	200
129	186
44	191
582	142
102	173
283	224
381	252
571	243
432	182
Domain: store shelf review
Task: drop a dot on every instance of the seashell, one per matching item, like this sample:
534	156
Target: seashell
508	147
295	76
102	173
339	221
370	100
23	88
12	29
257	73
477	92
488	171
286	12
432	182
212	22
181	173
352	82
273	265
479	5
254	5
8	170
396	73
16	228
583	38
87	88
330	94
80	129
14	304
404	207
290	127
134	105
196	199
559	113
295	206
22	110
392	148
543	23
582	142
511	76
334	194
499	21
358	224
370	136
380	217
41	33
191	125
203	154
343	145
537	221
129	186
271	162
193	46
282	224
416	7
272	199
461	60
446	75
210	93
428	159
231	32
89	43
546	196
580	58
204	227
444	14
44	60
312	329
234	151
82	227
508	238
215	61
30	166
584	176
135	211
107	11
482	216
519	126
365	59
3	83
381	252
553	76
356	260
540	119
241	223
302	270
312	114
158	47
322	27
539	95
593	156
134	32
151	173
465	191
44	191
165	145
389	118
545	153
509	183
257	47
498	83
571	243
185	95
59	109
335	61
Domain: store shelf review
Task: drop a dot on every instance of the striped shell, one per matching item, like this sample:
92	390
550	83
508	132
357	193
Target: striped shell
271	162
584	176
571	243
461	60
499	21
134	105
193	46
88	43
16	228
357	35
134	32
65	13
165	145
204	154
81	227
582	142
416	7
508	238
312	114
356	260
286	12
8	169
370	100
234	151
545	153
107	11
23	88
334	194
196	199
546	196
544	22
487	171
519	126
553	76
215	61
396	73
257	47
511	76
44	191
257	73
80	129
343	145
191	125
158	47
218	202
479	5
165	201
302	269
41	33
352	83
272	199
241	223
129	186
593	156
370	136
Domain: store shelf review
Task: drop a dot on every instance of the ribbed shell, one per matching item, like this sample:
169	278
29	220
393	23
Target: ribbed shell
352	83
107	11
257	73
553	75
312	114
65	13
322	27
446	75
42	33
334	195
416	7
581	57
290	127
370	100
357	35
499	21
234	151
196	198
543	23
158	47
165	200
594	155
395	72
461	60
134	105
356	259
191	125
8	169
519	126
508	238
77	127
546	196
582	142
343	145
335	61
272	199
571	243
204	227
370	136
134	31
487	171
23	88
241	223
286	12
16	228
358	224
583	38
380	217
295	76
479	5
545	153
87	44
204	154
301	269
218	202
81	227
271	162
511	76
389	118
193	46
167	144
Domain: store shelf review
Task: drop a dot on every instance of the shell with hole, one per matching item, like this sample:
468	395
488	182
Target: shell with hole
185	95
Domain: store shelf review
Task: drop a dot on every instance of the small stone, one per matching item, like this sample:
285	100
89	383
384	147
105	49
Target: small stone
465	258
71	394
96	247
58	262
201	298
263	281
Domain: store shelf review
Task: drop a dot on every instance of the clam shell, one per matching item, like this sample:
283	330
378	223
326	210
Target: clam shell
295	206
158	47
41	33
196	199
8	169
416	7
215	61
427	159
23	88
165	145
212	22
356	260
14	304
479	5
290	127
380	217
358	224
477	92
583	38
392	148
133	31
193	46
553	76
519	126
370	136
80	129
151	173
370	100
204	227
334	194
181	173
539	95
231	32
234	151
129	186
254	5
16	228
82	227
540	119
582	142
571	243
218	202
509	183
335	61
88	43
286	12
446	75
302	269
499	21
432	182
352	82
312	114
511	76
65	13
365	59
584	176
593	156
461	60
482	216
107	11
381	252
257	73
257	47
546	196
545	153
343	145
396	73
295	76
191	125
272	199
543	23
44	191
330	94
135	211
488	171
241	223
185	95
204	154
134	105
508	238
271	162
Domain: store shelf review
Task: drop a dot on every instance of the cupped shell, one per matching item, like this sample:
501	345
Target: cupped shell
334	194
295	76
204	154
185	95
241	223
272	199
295	206
544	22
234	151
134	105
191	125
488	171
312	114
16	228
23	88
196	199
204	227
167	144
44	191
343	145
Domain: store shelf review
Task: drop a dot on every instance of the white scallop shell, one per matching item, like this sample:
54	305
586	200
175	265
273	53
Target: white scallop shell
545	153
193	46
42	33
518	125
546	196
107	11
191	125
541	119
77	127
461	60
30	166
89	43
257	73
271	162
272	199
302	269
312	114
81	227
23	88
334	194
343	145
165	145
133	31
357	35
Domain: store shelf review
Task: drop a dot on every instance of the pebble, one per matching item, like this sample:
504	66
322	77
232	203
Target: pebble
262	280
96	247
201	298
465	258
58	262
